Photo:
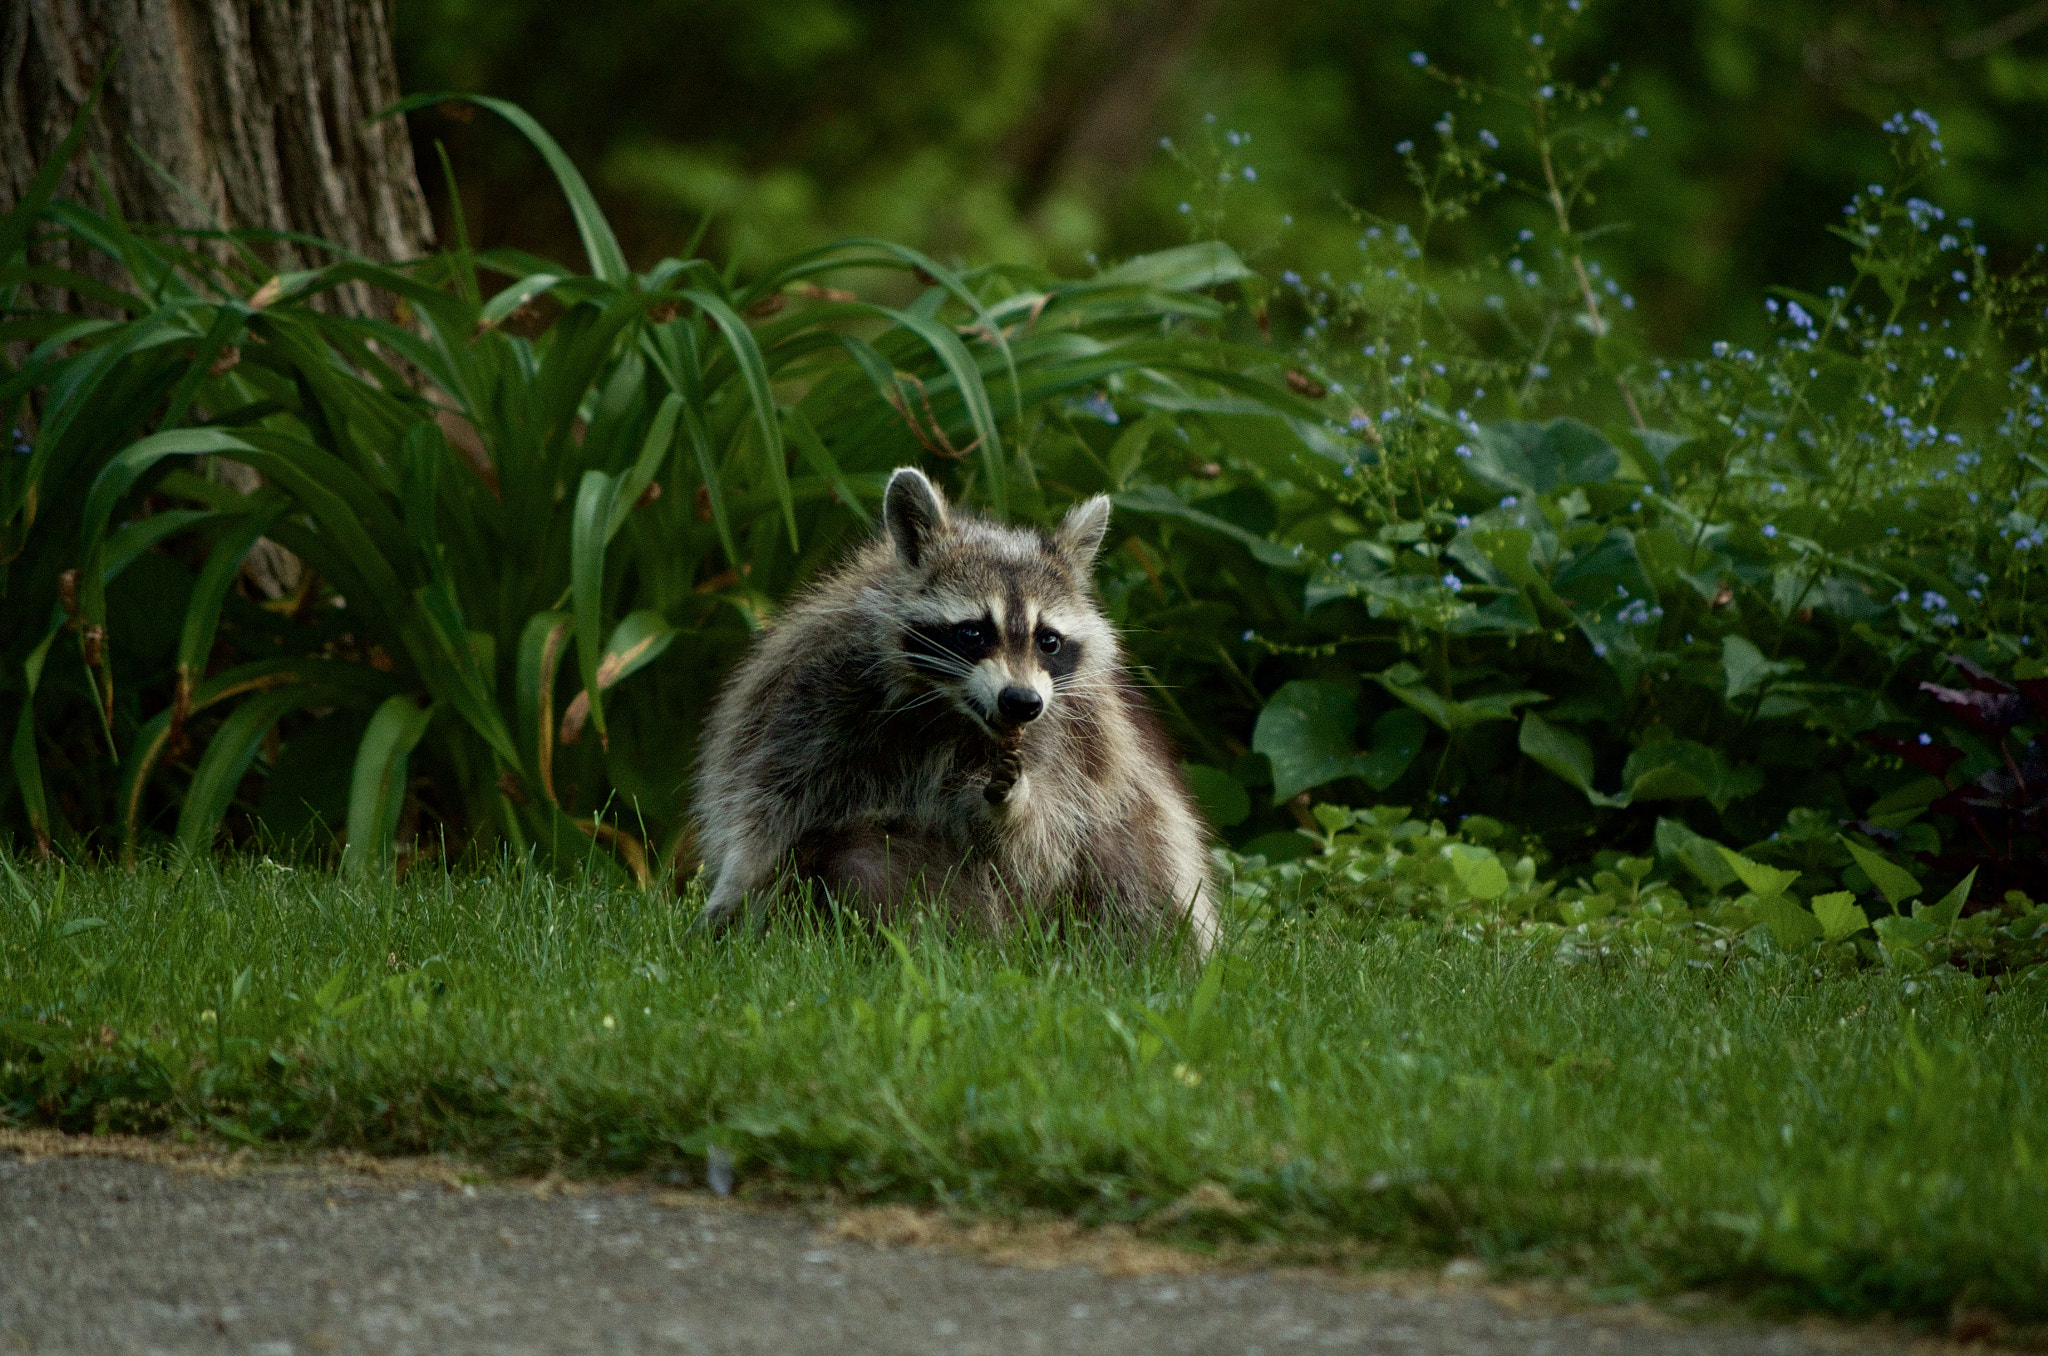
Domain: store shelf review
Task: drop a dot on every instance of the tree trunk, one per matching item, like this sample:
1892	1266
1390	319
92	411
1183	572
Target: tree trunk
256	108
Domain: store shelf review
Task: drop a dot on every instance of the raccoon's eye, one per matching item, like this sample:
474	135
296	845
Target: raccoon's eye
1048	642
968	633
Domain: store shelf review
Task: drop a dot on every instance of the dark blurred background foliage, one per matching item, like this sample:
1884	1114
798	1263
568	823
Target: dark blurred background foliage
1028	130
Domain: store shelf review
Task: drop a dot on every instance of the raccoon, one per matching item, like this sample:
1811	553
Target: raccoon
948	714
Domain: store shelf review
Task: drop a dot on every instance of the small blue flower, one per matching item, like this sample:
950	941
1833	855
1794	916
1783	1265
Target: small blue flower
1770	529
1453	583
1249	636
1251	175
1926	739
1535	39
1418	59
1509	501
1185	209
1488	140
1404	147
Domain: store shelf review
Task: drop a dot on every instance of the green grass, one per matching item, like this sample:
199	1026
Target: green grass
1833	1142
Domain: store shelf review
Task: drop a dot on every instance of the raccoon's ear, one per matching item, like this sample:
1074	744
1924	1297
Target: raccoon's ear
915	512
1080	534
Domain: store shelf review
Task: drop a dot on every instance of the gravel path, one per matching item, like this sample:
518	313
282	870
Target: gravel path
201	1254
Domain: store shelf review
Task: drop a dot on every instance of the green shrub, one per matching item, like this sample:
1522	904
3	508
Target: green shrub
1530	574
651	461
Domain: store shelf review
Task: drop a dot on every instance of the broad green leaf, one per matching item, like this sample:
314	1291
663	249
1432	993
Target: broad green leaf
1701	856
1901	807
377	789
1566	754
1404	682
1894	882
1839	914
1535	459
1478	870
1222	798
1950	907
1497	555
1305	731
1680	769
1397	736
1746	667
1791	926
1901	932
1764	880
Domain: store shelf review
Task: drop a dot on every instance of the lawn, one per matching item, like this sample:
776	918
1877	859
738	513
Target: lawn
1834	1138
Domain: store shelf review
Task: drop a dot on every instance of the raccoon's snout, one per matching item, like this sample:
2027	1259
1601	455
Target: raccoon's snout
1017	705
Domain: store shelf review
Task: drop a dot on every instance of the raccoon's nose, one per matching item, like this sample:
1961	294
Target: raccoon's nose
1018	704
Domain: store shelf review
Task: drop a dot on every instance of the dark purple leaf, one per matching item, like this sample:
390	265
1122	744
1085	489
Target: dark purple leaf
2036	690
1980	678
1992	713
1933	759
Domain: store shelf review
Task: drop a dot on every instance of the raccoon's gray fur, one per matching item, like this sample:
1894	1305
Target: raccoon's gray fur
950	710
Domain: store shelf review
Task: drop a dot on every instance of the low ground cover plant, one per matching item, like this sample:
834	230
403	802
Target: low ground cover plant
1382	1094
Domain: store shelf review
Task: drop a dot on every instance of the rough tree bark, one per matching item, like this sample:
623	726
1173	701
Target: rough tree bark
256	107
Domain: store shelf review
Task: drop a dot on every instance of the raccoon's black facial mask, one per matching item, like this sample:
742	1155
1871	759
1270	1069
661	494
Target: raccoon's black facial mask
1059	654
949	650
